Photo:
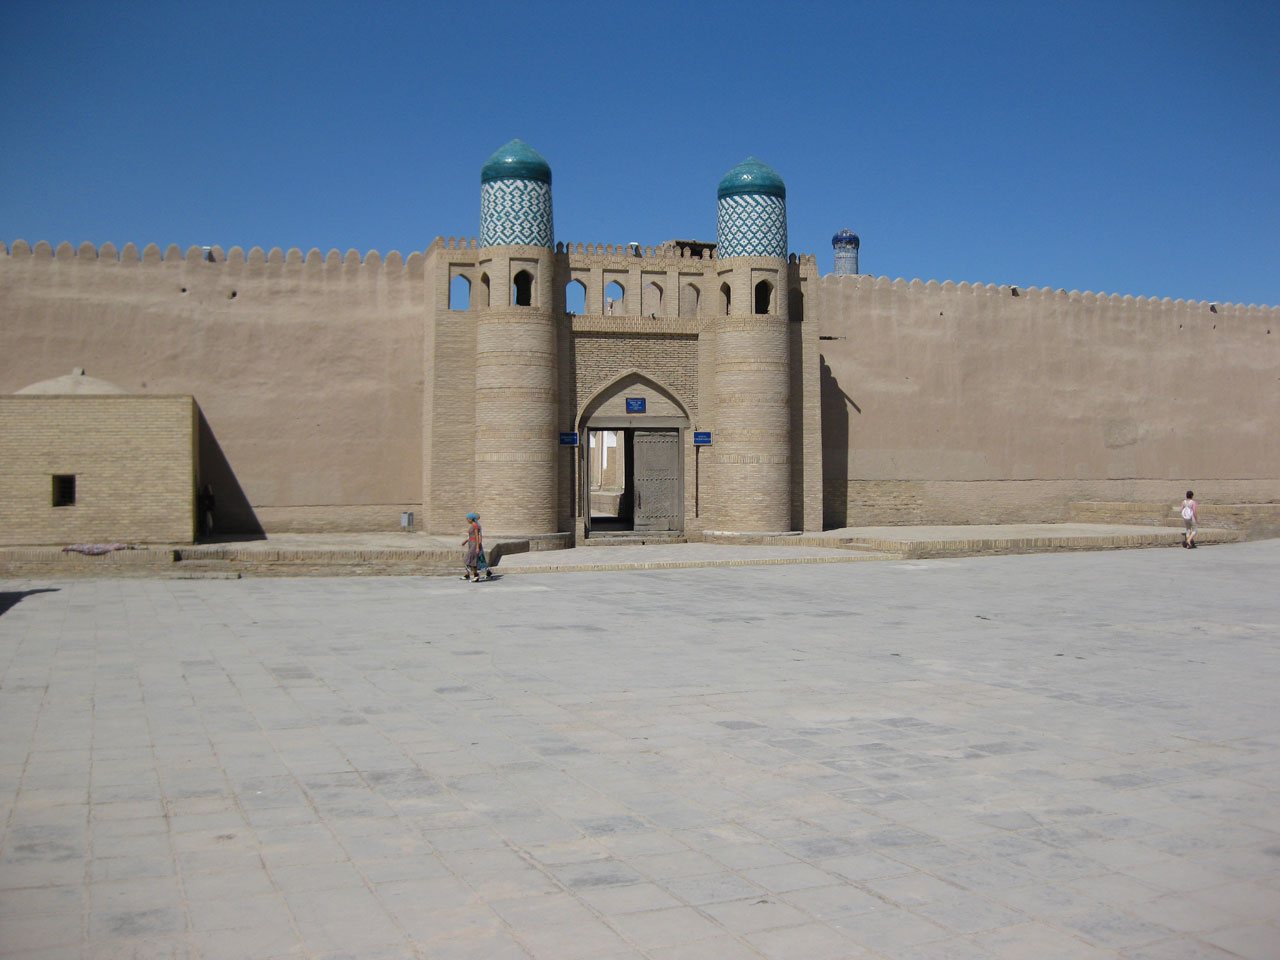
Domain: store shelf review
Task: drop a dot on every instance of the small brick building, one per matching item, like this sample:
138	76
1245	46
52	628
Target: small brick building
82	460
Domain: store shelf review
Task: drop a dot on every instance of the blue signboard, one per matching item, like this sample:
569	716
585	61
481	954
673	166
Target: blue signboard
635	404
702	438
568	439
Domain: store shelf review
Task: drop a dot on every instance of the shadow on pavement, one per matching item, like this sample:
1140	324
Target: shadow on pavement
11	598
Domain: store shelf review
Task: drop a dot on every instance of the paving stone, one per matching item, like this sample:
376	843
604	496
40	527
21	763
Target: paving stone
627	898
665	928
887	931
1255	941
581	940
754	914
786	877
711	948
814	941
1039	941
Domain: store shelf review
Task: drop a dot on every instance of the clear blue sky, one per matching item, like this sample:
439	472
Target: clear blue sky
1126	147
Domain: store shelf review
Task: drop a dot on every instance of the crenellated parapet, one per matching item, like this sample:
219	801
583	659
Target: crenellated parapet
1087	298
313	262
620	254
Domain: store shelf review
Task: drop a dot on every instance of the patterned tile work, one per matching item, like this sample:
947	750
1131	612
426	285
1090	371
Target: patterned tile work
752	225
516	212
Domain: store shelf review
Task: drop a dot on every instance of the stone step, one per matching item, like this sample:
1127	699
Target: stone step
614	538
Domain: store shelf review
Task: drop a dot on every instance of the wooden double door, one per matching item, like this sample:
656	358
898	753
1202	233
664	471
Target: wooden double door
644	489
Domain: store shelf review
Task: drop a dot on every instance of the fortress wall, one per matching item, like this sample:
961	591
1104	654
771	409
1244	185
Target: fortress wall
308	370
960	403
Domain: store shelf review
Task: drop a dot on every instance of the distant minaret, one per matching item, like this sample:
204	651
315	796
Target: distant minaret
845	244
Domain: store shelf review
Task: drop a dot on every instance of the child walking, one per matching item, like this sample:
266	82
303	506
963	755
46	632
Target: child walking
1189	508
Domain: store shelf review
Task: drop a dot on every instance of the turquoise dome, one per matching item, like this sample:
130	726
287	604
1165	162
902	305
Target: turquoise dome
752	176
516	161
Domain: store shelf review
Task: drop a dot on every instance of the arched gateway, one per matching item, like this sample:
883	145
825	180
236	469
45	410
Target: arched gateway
632	457
555	416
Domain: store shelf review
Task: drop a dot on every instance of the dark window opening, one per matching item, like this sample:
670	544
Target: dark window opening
522	285
764	293
64	489
726	300
483	294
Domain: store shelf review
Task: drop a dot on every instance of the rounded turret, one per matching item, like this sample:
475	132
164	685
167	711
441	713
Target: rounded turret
751	216
751	461
516	373
515	198
845	244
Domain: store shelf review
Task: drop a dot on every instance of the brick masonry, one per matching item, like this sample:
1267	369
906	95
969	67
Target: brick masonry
133	459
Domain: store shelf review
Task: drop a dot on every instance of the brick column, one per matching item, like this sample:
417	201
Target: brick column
752	446
516	408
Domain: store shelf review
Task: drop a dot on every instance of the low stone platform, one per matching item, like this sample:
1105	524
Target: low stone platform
280	554
1257	521
383	554
988	539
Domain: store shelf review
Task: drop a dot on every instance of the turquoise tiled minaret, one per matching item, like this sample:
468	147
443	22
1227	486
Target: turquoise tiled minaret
515	198
752	212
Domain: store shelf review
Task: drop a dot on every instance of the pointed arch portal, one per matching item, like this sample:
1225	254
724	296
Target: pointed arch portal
632	457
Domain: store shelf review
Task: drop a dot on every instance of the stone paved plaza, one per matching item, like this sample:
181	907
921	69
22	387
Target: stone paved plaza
1056	757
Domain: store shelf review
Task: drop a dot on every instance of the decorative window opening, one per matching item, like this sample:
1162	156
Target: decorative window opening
764	295
651	300
483	293
64	489
522	289
688	300
614	298
459	293
726	299
575	297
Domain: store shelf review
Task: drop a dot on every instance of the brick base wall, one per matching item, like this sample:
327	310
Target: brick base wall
858	503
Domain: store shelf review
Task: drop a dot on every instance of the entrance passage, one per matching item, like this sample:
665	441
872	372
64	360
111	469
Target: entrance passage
634	481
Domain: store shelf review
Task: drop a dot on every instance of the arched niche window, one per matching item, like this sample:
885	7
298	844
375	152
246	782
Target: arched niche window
522	289
459	293
614	297
764	294
651	300
796	304
726	299
688	300
575	297
483	292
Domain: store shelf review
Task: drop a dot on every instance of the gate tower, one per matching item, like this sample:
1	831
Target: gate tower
752	452
515	440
